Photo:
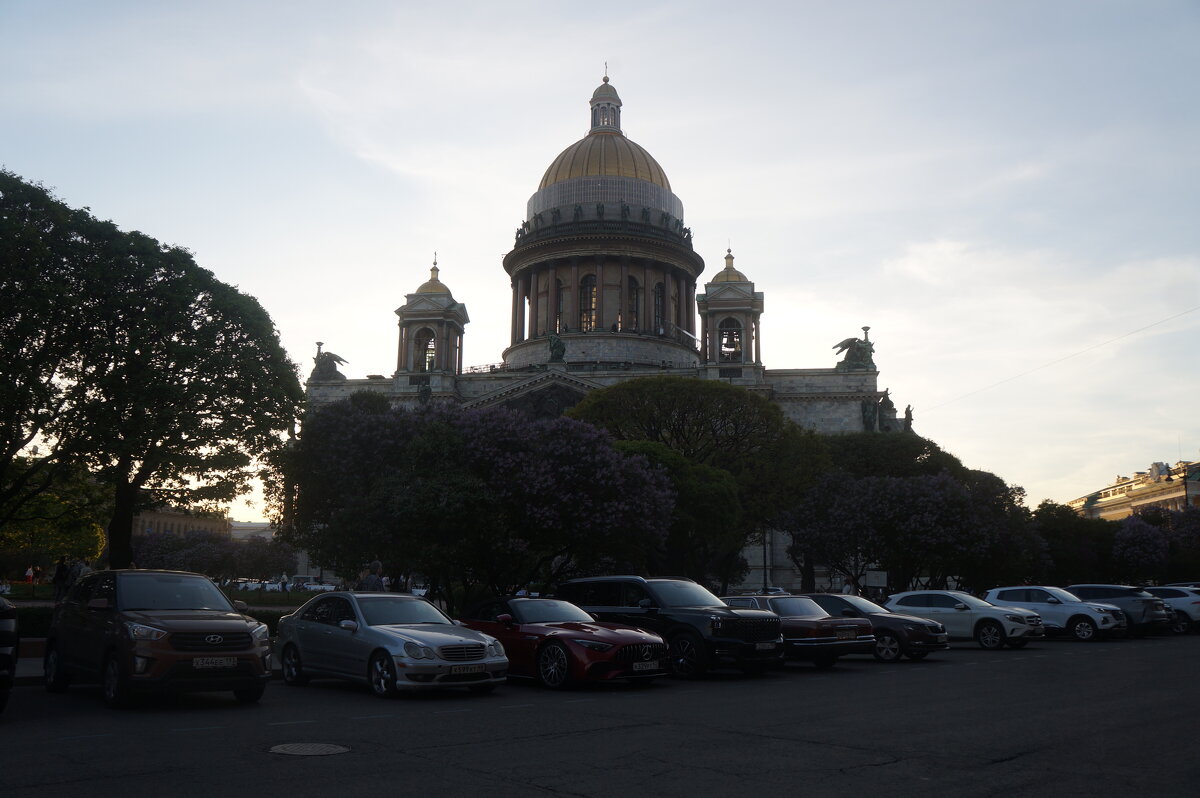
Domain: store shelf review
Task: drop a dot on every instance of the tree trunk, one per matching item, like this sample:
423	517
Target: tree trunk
120	528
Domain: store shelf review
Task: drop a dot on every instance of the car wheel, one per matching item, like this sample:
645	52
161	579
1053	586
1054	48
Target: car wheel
990	635
1017	643
55	678
553	666
917	656
887	647
381	672
249	695
293	668
116	683
1082	629
686	655
825	661
481	689
1182	624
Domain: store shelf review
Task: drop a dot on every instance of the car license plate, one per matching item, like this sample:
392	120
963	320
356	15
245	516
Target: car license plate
467	668
764	646
652	665
846	634
939	638
214	662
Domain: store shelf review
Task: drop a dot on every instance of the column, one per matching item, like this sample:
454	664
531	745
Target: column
516	312
534	298
601	323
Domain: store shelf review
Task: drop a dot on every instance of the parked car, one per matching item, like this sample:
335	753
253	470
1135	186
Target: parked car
10	644
969	618
1143	612
810	634
701	631
558	644
1062	611
390	641
142	630
1186	601
896	634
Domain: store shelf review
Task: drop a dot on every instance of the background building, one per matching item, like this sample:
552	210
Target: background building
1171	487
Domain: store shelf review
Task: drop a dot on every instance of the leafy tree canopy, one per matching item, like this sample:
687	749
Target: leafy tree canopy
129	358
471	499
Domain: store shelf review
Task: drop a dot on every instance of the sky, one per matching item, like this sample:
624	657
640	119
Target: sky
1004	191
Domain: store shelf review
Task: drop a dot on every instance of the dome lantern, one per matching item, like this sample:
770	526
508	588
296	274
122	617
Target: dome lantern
606	109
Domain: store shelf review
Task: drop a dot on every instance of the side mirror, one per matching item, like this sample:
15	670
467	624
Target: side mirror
97	604
1053	600
646	604
505	619
240	605
349	626
960	606
850	613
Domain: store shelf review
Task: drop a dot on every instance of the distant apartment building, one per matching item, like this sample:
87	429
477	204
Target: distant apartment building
1170	487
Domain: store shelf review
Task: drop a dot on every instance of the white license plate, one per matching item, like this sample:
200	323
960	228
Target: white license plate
214	662
844	634
652	665
764	646
467	668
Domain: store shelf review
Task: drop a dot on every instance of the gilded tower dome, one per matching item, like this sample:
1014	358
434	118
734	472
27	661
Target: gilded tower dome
605	167
433	285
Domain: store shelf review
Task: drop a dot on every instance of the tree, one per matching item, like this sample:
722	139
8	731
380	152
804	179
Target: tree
162	380
721	426
1078	549
474	500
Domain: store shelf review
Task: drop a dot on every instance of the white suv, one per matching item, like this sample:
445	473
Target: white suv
1185	601
968	618
1062	611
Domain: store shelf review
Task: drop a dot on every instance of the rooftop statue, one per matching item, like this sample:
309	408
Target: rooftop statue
326	366
858	352
557	348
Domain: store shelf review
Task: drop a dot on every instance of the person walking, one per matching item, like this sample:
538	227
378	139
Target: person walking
373	581
59	579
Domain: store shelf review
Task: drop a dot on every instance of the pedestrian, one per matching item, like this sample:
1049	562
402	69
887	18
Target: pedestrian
283	583
59	579
29	575
848	588
373	581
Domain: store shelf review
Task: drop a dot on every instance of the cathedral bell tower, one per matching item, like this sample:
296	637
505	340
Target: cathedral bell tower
730	310
431	337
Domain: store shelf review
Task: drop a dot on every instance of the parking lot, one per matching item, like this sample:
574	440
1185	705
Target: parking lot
1059	717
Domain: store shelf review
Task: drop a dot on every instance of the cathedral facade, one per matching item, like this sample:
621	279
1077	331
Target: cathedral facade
606	287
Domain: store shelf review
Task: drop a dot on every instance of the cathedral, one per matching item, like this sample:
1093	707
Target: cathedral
606	287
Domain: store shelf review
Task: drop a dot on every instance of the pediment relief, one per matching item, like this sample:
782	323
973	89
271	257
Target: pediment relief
543	395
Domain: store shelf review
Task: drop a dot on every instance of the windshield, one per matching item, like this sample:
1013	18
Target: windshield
862	605
683	594
1063	595
794	605
549	611
151	591
384	611
969	600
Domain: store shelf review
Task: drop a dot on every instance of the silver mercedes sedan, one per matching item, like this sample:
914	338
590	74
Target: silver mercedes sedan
392	642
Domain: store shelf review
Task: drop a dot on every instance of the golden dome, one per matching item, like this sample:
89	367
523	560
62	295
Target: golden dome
729	274
433	285
605	155
604	151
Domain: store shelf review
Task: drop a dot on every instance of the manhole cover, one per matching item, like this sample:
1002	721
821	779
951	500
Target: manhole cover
309	749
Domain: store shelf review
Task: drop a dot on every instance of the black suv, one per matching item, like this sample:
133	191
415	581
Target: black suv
700	630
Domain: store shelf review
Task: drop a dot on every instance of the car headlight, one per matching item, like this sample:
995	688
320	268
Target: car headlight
141	632
260	632
418	651
594	645
1016	619
716	623
496	649
911	627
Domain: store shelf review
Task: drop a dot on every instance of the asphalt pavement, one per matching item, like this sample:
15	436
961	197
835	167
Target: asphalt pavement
1058	718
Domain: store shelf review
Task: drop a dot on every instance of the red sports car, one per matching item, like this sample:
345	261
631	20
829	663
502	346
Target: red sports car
559	644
